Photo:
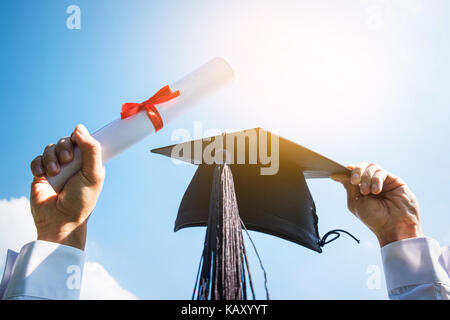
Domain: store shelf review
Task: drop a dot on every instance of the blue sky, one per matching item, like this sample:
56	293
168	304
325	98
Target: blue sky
353	80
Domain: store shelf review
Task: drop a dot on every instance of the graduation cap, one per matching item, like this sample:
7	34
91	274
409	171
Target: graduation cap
264	177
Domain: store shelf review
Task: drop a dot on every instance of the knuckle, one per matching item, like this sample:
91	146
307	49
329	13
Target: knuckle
49	149
36	161
376	167
62	143
49	155
379	174
367	174
95	146
357	170
63	140
371	169
363	165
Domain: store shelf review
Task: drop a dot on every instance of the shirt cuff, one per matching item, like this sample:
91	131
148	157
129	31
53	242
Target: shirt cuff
11	257
46	270
413	261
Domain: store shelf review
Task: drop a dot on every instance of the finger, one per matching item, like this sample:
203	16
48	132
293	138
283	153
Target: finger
378	179
64	150
72	138
366	178
50	160
357	172
41	191
91	155
36	167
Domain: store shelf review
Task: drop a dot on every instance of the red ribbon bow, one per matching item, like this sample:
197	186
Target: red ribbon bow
163	95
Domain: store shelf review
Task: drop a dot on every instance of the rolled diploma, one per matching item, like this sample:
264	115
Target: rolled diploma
119	135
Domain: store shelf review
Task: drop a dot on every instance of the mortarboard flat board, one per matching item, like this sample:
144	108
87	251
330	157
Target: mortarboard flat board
269	175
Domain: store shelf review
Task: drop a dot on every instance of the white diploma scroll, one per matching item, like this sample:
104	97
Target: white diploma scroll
119	135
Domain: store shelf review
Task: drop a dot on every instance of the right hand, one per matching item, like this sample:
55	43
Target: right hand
383	202
62	217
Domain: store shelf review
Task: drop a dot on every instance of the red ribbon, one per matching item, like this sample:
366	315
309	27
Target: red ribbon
163	95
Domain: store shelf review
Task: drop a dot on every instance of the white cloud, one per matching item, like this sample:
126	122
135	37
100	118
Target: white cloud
17	228
16	225
99	284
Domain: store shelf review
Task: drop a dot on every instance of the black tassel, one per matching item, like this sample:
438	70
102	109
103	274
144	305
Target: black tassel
224	271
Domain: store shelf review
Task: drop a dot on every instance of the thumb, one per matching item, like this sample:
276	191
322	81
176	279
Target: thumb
91	153
342	178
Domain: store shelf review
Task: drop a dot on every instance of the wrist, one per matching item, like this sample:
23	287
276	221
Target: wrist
399	233
69	234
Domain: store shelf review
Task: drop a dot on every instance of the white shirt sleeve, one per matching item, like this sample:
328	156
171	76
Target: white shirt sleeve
417	268
43	270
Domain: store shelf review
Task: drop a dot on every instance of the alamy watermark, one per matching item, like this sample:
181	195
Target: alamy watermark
73	21
373	282
382	13
254	146
73	281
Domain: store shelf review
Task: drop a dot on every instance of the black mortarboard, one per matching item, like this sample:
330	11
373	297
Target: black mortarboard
278	204
251	179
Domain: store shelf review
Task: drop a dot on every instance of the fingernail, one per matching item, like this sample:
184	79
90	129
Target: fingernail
355	178
374	188
364	186
52	167
65	155
38	170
